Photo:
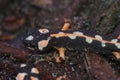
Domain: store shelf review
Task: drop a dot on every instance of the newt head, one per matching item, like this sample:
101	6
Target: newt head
37	39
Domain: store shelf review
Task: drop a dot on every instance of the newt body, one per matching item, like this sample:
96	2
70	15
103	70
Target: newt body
43	39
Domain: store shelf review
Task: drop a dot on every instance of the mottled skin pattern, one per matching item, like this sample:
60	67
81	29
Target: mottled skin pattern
72	43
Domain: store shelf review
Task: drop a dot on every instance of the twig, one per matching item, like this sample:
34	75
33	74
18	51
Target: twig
71	11
87	65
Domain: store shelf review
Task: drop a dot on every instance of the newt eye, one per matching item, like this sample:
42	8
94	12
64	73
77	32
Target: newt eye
44	31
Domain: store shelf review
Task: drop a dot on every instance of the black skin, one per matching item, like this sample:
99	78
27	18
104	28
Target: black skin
65	42
73	44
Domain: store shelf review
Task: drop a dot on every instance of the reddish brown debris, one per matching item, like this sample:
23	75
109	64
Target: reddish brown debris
6	37
12	23
101	69
17	53
42	3
1	32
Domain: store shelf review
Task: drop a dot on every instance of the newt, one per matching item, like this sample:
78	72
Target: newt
65	39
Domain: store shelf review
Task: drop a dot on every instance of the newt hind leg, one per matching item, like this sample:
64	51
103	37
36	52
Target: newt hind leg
117	55
113	60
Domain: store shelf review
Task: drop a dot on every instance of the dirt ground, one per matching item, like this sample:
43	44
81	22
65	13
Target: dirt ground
19	16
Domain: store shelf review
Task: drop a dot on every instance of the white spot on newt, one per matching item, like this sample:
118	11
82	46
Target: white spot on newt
72	37
89	40
43	43
21	76
34	70
98	37
23	65
103	44
44	31
29	38
59	33
114	40
117	45
77	32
